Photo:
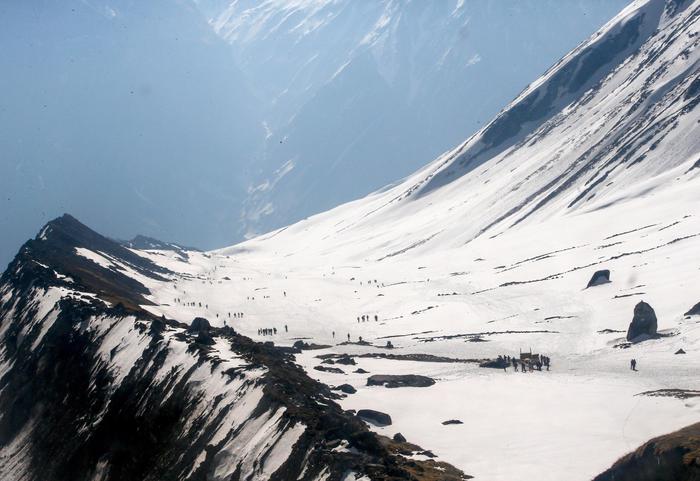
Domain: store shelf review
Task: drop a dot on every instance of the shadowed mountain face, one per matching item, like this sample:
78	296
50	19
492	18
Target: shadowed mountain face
94	387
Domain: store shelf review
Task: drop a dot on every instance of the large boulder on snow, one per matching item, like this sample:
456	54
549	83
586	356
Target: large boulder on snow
346	388
199	324
375	417
599	277
643	325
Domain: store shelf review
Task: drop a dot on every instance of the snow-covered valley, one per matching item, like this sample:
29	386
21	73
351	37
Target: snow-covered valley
523	290
487	253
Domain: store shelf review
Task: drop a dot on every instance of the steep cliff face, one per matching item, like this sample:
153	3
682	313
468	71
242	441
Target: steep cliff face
92	387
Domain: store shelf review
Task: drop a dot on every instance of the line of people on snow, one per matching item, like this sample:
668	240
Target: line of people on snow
367	318
271	331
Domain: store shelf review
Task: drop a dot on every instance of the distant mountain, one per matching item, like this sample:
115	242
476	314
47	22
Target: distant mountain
359	94
205	121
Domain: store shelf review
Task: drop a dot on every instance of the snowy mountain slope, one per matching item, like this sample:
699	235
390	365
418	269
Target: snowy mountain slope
381	86
491	256
93	387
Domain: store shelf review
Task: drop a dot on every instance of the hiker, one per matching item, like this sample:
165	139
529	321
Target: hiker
348	337
333	334
274	330
515	364
633	364
376	318
286	329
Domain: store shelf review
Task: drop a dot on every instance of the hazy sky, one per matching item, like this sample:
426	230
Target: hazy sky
139	117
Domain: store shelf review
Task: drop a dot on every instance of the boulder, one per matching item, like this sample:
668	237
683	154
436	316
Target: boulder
375	417
359	370
401	380
643	325
599	277
499	363
451	421
694	311
346	388
199	324
399	438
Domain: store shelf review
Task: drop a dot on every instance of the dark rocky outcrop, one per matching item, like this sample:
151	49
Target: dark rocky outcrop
400	380
498	363
399	438
375	417
451	421
202	328
199	324
672	457
599	277
305	346
334	370
694	311
680	351
153	420
346	388
359	370
644	324
346	360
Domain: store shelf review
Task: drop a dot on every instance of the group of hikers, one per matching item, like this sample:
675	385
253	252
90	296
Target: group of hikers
366	318
525	363
236	315
271	331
